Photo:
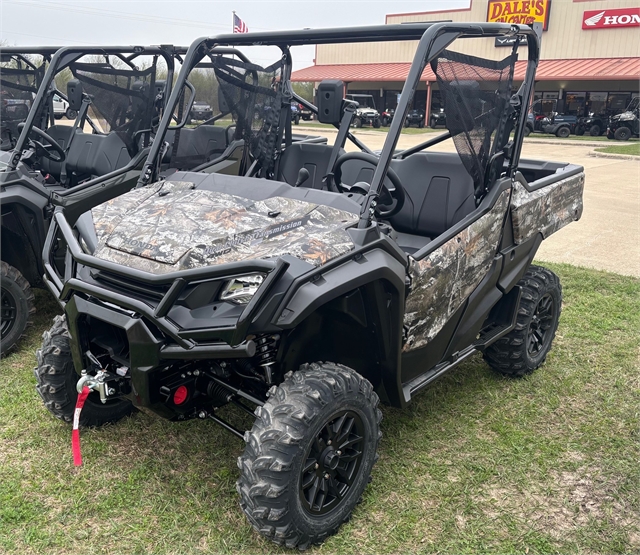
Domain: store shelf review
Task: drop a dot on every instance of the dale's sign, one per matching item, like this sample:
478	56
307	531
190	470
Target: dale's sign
519	11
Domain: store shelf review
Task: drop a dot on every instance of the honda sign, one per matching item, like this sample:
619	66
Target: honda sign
611	19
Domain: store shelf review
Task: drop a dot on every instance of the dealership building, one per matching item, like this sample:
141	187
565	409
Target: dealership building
590	55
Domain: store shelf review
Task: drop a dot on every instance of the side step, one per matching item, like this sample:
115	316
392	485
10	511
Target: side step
504	320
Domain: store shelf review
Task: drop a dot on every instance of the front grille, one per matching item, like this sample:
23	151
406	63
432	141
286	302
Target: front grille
127	286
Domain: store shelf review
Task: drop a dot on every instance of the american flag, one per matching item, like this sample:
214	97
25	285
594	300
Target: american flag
239	26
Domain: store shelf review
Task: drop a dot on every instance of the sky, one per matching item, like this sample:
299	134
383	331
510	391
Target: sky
180	22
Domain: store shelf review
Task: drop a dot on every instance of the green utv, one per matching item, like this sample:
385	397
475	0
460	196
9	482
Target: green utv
318	281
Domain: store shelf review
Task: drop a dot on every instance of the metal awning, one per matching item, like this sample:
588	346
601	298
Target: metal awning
590	69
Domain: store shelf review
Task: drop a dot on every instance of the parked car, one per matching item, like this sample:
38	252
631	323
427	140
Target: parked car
626	125
61	108
366	112
317	281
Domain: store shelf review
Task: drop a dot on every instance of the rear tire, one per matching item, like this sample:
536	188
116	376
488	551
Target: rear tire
56	379
16	307
357	123
563	132
421	124
525	348
283	486
580	130
527	131
71	114
622	134
296	120
376	124
595	131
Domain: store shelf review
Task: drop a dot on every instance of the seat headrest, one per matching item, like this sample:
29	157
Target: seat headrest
141	87
74	94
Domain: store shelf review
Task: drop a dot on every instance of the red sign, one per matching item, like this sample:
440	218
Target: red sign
611	19
519	11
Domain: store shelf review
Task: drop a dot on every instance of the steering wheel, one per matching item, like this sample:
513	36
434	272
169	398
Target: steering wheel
52	150
390	201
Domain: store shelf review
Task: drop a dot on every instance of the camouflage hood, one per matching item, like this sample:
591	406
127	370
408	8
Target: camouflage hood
173	225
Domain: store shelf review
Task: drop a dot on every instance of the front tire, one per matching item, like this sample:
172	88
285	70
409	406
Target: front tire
357	123
622	134
309	454
71	114
16	307
595	131
56	380
525	348
376	124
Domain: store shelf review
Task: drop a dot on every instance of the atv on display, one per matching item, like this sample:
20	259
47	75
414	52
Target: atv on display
415	117
115	107
438	118
318	281
594	124
627	124
366	112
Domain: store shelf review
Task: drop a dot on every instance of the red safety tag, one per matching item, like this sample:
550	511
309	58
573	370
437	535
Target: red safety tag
75	434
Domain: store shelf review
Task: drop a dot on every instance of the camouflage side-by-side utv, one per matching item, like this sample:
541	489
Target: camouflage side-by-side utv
319	281
116	97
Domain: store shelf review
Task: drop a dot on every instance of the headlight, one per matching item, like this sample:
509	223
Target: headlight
241	289
625	118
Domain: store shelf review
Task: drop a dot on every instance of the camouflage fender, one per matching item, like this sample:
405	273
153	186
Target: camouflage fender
546	210
444	278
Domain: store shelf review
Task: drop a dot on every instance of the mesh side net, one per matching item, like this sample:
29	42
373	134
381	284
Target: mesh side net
255	99
18	86
475	93
122	100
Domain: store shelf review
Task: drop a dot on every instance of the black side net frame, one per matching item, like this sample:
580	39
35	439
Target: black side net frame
259	103
18	87
123	98
476	95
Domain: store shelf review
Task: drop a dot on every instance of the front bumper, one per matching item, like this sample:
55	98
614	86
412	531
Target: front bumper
148	328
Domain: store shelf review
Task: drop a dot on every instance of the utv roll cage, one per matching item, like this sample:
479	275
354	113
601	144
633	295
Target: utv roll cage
63	58
166	288
433	40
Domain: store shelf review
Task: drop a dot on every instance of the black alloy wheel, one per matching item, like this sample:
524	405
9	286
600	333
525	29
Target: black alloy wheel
332	463
309	454
525	348
9	314
540	335
16	307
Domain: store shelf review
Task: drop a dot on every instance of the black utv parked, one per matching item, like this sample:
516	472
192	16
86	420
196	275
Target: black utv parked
627	124
318	281
116	94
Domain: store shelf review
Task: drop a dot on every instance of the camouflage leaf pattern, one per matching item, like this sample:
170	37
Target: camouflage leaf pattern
174	226
546	210
444	278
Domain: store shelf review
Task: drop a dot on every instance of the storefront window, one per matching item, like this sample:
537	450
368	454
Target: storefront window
575	103
596	103
617	102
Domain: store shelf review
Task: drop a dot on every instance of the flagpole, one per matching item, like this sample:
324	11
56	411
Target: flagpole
233	20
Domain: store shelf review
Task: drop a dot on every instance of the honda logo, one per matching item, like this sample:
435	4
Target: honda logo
611	19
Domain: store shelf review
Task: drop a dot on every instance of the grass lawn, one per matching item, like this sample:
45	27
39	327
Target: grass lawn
633	149
407	130
478	463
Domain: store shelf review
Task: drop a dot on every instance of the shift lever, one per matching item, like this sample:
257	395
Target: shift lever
303	175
